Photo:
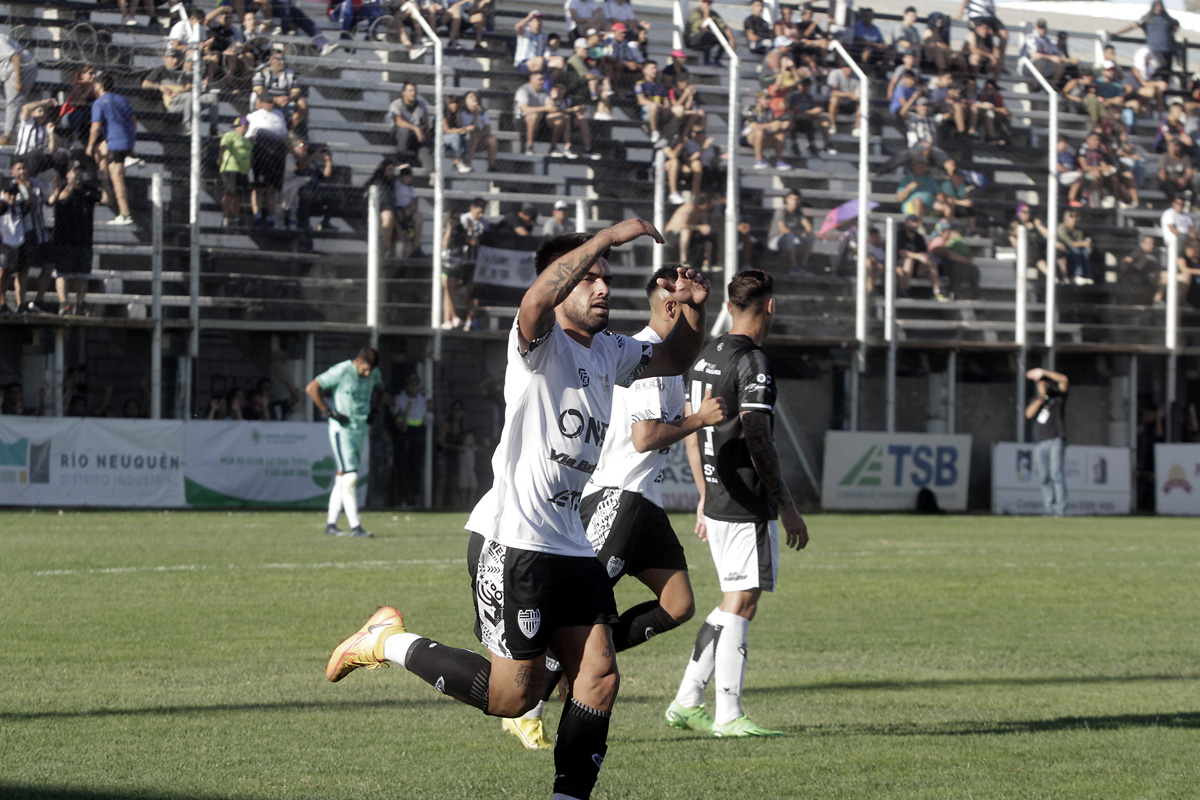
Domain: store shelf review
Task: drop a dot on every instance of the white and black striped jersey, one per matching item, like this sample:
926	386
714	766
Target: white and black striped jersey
32	138
275	84
732	366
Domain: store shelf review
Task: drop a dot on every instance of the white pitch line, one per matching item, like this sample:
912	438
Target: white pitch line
437	562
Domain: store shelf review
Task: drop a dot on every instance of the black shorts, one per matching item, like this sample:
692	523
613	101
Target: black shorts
118	156
233	182
992	22
521	596
267	161
630	534
33	252
71	261
10	258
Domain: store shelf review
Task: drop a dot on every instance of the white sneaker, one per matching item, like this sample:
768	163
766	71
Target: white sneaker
676	199
329	48
654	137
570	153
121	219
133	161
417	52
463	167
129	21
602	116
855	132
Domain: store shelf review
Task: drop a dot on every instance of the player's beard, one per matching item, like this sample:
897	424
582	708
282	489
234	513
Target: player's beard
587	318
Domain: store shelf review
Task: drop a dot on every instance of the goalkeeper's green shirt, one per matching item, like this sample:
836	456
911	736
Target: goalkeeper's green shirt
351	392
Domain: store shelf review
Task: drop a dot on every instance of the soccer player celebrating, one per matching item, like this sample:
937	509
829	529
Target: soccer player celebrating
736	469
622	502
538	583
355	385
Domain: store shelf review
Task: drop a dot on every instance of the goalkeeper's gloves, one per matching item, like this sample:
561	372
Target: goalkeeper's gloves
342	419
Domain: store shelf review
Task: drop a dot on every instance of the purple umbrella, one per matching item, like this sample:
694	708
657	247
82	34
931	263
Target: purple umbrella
843	213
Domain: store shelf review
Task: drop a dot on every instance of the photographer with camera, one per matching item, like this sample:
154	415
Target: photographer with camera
302	190
74	200
12	236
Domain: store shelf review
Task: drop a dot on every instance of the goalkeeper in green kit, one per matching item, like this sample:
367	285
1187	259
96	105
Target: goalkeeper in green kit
355	386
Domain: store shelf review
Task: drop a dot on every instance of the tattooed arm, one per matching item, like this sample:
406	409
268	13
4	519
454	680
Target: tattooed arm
558	280
756	427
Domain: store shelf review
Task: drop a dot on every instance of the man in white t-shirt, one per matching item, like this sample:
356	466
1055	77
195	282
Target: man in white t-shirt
538	584
1176	224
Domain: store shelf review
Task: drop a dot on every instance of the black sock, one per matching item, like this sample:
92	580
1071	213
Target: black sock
553	676
641	622
579	749
462	674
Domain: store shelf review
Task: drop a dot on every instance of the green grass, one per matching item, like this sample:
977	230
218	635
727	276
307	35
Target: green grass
181	655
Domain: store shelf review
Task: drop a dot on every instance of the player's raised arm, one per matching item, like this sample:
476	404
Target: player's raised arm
558	279
678	351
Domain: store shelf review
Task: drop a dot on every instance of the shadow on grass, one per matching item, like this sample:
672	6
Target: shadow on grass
950	683
16	792
227	708
1182	719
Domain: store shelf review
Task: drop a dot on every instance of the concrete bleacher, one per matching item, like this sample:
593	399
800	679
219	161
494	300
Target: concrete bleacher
281	275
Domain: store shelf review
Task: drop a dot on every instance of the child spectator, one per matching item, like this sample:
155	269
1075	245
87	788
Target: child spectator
233	165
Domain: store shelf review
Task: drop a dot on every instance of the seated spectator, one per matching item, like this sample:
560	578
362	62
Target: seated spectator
1046	55
952	256
844	91
791	233
904	97
456	136
935	44
982	51
187	32
37	141
867	40
651	97
906	38
1069	173
761	128
918	124
303	194
351	14
622	11
1187	271
876	259
536	105
1076	247
918	189
908	63
954	197
477	118
276	82
233	165
257	35
1173	127
18	74
983	12
759	33
912	253
13	401
1110	93
175	85
128	9
522	221
947	107
74	201
384	177
690	230
700	158
287	16
235	62
698	36
1176	175
808	116
412	121
583	82
267	132
112	139
621	56
407	219
584	15
685	110
1176	224
677	68
1141	266
530	53
1036	236
1142	83
810	41
558	223
1102	172
997	119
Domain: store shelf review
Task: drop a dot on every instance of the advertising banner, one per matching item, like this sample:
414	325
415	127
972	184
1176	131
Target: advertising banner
885	471
91	462
1177	479
246	464
1098	480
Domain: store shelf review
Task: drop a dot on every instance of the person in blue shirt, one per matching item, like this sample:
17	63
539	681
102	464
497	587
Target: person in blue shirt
356	387
1159	27
869	41
112	140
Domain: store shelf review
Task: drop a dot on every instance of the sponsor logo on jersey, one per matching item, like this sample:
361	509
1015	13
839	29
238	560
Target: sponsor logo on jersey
614	566
584	380
566	499
530	619
707	368
583	465
572	424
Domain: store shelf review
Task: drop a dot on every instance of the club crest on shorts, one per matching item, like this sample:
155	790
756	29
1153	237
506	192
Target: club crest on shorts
615	565
530	619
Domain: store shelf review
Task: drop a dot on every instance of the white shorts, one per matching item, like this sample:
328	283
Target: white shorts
746	554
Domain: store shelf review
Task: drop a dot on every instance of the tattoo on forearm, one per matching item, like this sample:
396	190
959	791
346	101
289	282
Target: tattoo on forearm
757	429
569	270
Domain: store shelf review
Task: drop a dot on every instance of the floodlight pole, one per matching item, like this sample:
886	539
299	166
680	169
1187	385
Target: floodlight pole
1020	335
731	177
1051	208
864	224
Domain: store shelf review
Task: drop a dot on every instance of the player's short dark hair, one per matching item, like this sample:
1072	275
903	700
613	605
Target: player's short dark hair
369	356
749	288
668	272
555	248
108	81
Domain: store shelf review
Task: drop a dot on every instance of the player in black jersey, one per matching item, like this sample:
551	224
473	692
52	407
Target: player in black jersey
736	468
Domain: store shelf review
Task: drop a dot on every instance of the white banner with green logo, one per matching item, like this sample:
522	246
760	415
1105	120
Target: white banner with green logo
886	471
245	464
71	461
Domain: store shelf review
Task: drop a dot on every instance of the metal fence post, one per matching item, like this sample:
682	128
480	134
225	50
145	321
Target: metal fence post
156	261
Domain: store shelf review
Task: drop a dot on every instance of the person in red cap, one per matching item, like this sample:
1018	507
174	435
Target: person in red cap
621	56
622	11
675	70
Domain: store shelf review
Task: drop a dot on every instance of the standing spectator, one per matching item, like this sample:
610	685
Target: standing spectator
12	236
277	83
1048	410
412	415
759	32
456	268
476	117
408	219
530	52
112	140
1176	223
906	38
75	113
36	247
233	165
699	37
412	119
1159	28
37	142
791	232
18	72
1077	248
983	12
844	90
558	224
267	131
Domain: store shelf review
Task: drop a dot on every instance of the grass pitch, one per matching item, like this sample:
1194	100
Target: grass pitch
181	656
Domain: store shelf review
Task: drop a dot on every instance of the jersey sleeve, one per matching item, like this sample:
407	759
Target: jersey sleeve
755	382
645	400
332	376
632	356
540	349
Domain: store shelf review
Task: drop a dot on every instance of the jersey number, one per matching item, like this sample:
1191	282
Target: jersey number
706	433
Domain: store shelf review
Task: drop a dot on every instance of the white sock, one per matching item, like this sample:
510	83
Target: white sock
561	796
350	499
536	711
699	669
335	501
395	647
730	667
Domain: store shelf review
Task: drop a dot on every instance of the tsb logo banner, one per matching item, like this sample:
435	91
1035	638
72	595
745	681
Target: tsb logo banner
885	471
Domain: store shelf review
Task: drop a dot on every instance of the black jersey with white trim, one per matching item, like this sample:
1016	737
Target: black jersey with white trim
735	368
